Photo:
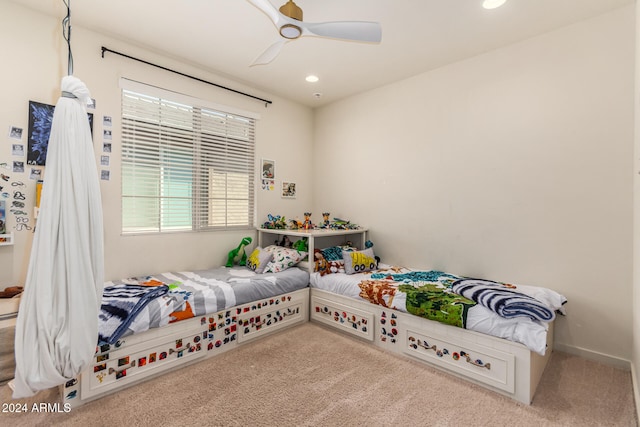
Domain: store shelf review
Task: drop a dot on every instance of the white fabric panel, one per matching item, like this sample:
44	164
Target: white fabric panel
57	325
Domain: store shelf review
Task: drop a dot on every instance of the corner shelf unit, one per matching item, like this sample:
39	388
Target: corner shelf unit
316	238
6	239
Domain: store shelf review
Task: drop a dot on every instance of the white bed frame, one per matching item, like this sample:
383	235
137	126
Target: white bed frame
497	364
149	354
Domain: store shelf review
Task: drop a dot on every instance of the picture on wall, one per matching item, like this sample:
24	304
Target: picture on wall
3	218
268	169
40	119
288	190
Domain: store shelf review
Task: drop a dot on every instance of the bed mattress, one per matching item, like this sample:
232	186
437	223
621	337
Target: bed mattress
430	294
136	304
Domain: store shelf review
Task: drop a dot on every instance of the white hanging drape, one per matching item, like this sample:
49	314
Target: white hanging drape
57	325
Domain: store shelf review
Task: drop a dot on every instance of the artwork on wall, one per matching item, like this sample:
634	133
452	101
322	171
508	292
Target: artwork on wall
288	190
268	169
268	174
40	118
3	218
15	132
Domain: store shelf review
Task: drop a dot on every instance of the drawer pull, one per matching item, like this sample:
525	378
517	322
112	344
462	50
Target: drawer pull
478	362
175	350
123	368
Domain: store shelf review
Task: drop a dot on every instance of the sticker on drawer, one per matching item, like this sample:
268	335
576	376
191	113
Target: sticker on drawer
340	316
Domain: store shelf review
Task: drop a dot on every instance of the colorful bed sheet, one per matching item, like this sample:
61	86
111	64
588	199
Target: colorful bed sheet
514	312
175	296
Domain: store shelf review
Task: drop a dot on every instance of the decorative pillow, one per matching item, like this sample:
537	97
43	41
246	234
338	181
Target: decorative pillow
259	259
334	253
283	258
359	261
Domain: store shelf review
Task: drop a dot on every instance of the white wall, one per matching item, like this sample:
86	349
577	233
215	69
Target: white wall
35	60
514	165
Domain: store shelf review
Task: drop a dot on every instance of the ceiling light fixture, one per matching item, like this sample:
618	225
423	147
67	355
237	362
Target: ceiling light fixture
492	4
311	78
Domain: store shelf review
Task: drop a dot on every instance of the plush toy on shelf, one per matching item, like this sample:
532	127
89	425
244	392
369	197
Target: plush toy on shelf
301	245
284	242
238	255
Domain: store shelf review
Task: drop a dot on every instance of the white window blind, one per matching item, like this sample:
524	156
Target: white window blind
185	166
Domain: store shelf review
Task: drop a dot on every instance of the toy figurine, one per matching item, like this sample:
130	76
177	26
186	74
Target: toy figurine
275	222
307	224
325	220
238	255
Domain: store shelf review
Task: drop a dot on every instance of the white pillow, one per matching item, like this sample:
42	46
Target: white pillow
283	258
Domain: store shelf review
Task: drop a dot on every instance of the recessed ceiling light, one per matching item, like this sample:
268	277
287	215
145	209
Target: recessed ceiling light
312	79
492	4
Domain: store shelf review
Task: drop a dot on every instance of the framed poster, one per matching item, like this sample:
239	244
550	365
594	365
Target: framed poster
40	119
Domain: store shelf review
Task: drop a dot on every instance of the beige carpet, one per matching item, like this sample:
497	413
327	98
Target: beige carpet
311	376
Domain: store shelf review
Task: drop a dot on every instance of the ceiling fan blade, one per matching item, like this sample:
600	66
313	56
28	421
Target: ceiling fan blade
270	10
270	53
345	30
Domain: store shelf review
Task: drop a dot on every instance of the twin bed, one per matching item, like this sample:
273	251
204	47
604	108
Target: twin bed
495	334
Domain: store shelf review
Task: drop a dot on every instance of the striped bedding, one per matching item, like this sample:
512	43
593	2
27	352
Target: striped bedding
176	296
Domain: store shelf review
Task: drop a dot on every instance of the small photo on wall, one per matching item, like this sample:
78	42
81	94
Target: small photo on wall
17	150
15	132
288	190
268	169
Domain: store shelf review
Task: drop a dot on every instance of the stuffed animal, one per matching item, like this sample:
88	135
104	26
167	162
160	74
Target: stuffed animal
301	245
320	262
238	255
284	242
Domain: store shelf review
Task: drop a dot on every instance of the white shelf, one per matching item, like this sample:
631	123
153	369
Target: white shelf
8	239
312	239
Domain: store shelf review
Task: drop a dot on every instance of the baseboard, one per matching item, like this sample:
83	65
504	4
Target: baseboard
636	391
595	356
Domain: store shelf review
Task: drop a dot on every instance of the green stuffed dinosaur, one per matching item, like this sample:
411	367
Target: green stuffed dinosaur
238	254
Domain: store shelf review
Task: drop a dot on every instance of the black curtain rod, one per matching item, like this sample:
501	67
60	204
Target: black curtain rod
266	101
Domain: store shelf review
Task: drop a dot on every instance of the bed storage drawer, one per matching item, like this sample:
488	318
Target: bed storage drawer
349	319
128	364
472	360
263	317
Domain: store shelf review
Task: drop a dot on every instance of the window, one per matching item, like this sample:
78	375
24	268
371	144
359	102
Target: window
185	165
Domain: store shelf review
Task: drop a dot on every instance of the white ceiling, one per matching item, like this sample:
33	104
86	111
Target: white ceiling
225	36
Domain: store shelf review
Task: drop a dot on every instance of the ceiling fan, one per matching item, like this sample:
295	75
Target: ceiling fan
288	21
